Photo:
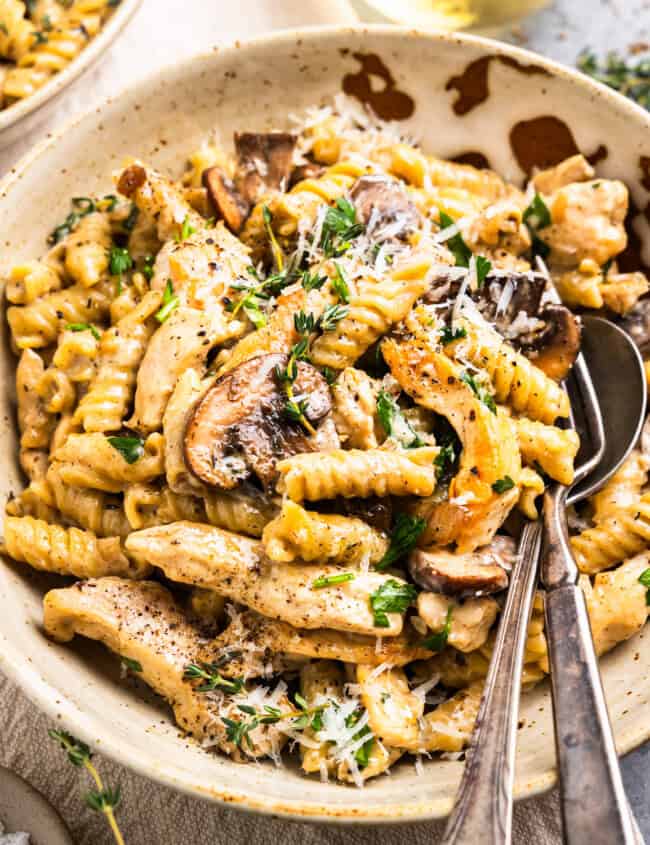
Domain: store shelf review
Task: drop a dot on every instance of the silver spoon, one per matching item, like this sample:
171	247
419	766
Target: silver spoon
594	806
483	809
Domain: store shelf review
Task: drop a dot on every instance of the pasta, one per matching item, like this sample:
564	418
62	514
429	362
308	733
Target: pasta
41	39
316	418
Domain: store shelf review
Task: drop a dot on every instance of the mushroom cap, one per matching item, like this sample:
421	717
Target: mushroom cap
389	202
264	162
225	198
558	346
458	575
239	428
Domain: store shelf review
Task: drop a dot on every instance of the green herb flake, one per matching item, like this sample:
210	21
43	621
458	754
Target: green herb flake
331	580
628	78
212	679
502	485
331	317
119	261
449	335
78	752
444	460
644	579
483	395
147	267
170	303
131	665
312	281
391	597
537	217
457	246
483	267
130	448
394	422
81	206
83	327
340	285
438	640
405	535
340	227
187	229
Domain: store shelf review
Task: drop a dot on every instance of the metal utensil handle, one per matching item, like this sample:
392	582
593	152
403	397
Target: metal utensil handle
594	805
482	812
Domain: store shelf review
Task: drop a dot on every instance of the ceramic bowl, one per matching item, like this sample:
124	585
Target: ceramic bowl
26	114
465	98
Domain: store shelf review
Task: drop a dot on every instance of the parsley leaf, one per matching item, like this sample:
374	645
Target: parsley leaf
131	448
84	327
170	302
186	230
391	597
119	261
459	249
405	535
131	665
81	206
644	579
483	267
483	395
502	485
394	422
449	335
444	460
438	640
537	216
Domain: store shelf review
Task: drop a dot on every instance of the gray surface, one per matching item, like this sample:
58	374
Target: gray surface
561	32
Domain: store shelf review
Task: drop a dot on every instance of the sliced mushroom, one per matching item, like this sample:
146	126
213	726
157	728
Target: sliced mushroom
310	170
384	200
557	348
240	428
225	198
264	162
375	511
478	573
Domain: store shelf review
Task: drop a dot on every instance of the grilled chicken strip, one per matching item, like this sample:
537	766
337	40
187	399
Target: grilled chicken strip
234	566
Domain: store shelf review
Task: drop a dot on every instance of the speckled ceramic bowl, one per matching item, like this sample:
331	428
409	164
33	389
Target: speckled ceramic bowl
18	119
465	97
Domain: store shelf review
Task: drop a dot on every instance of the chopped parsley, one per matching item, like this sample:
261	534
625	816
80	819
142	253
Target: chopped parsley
131	665
130	448
362	754
483	267
84	327
449	335
132	218
459	249
186	230
170	302
644	579
537	217
438	640
444	460
331	580
257	292
405	535
81	206
119	261
391	597
483	395
394	423
502	485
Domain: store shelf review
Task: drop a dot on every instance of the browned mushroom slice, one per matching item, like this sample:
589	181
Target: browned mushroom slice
458	575
240	426
310	170
227	202
386	202
264	162
558	346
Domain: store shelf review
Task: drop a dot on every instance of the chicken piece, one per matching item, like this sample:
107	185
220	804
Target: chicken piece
617	603
478	573
354	395
142	622
449	727
474	510
624	488
394	712
384	203
240	426
159	199
182	342
252	632
233	566
587	223
622	291
573	169
470	622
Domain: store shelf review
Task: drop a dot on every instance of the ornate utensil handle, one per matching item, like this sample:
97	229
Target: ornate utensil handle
482	813
594	805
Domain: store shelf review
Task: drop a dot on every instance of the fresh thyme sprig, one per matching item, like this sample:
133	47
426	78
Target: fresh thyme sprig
213	679
340	228
303	716
255	293
103	799
295	407
629	79
276	249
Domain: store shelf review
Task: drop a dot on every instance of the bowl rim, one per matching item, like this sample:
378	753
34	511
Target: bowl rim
79	65
65	711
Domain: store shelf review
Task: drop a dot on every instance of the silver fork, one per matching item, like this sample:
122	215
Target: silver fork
483	808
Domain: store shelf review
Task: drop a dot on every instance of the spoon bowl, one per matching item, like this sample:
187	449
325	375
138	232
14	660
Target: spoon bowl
618	377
